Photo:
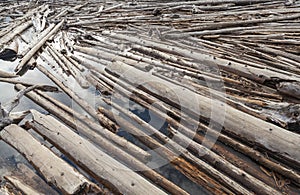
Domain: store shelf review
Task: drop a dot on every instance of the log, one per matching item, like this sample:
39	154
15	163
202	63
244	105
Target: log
4	74
18	30
289	88
124	157
263	134
77	75
21	186
88	108
30	54
58	109
194	173
56	171
98	134
260	75
102	167
28	177
204	153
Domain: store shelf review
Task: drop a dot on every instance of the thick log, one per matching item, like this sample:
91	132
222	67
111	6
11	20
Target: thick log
265	135
29	178
21	186
54	169
103	167
59	110
289	88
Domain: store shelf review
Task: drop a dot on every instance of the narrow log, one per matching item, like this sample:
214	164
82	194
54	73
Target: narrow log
257	74
266	135
194	173
103	167
4	74
98	134
15	32
30	54
55	170
72	69
217	161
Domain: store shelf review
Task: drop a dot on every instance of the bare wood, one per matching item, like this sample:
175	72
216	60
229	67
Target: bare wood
255	130
97	134
103	167
30	54
26	175
55	170
59	110
22	186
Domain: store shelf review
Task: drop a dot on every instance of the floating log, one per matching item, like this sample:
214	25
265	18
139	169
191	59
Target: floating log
28	177
42	41
103	167
266	135
97	133
58	109
55	170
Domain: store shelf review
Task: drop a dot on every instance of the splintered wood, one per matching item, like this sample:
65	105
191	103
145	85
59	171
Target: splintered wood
152	97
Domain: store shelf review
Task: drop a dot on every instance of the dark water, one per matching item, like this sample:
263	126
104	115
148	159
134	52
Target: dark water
10	157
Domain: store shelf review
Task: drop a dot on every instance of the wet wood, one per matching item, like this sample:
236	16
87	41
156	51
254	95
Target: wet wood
276	140
103	167
28	177
37	46
55	170
86	126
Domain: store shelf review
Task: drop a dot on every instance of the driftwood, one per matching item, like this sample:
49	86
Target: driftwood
97	133
37	46
275	139
28	177
54	169
103	167
58	109
217	147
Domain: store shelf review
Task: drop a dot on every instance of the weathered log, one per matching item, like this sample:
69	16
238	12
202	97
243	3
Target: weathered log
58	109
97	133
88	108
103	167
27	176
266	135
42	41
257	74
217	161
15	32
21	185
4	74
72	69
196	174
289	88
55	170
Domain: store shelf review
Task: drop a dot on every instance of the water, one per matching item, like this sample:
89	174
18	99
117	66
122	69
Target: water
10	157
